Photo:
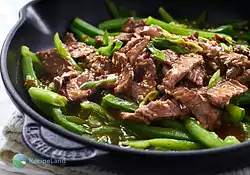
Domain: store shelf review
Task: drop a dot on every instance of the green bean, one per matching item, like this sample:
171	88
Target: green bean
47	96
246	129
75	119
172	124
61	120
214	79
231	140
106	50
106	38
97	109
166	16
30	78
201	19
82	37
170	144
118	45
156	53
156	132
236	113
114	24
150	97
226	29
118	103
209	139
93	84
87	28
185	31
241	100
112	9
176	44
64	53
226	48
94	121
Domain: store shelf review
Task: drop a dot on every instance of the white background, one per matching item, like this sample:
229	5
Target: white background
8	17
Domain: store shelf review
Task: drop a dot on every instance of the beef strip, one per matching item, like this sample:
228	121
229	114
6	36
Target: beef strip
60	81
195	101
132	25
221	94
244	78
72	88
180	69
99	40
79	50
152	31
197	74
98	64
233	72
54	64
155	110
119	61
125	81
69	38
124	37
141	88
171	57
135	51
131	44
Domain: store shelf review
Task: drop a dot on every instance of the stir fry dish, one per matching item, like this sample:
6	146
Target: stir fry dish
146	83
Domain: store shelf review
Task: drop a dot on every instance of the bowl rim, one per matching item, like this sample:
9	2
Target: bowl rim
26	109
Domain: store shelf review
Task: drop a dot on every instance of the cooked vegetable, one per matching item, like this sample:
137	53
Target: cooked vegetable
236	113
97	109
165	16
87	28
183	31
210	139
156	53
243	99
112	9
144	131
173	124
75	119
30	78
63	52
246	128
150	97
47	96
214	79
118	103
92	84
82	37
201	19
163	143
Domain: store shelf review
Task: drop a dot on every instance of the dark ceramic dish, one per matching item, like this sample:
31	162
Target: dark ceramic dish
39	20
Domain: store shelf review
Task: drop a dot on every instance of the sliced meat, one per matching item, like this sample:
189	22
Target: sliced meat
131	44
193	99
54	64
171	57
244	78
119	61
221	94
72	88
98	64
155	110
125	81
233	72
244	50
180	69
197	75
99	40
79	50
61	81
141	88
69	38
152	31
125	37
135	51
132	25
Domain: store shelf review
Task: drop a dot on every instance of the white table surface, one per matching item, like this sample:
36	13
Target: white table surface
8	17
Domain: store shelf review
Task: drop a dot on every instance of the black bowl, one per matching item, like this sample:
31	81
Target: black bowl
39	20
